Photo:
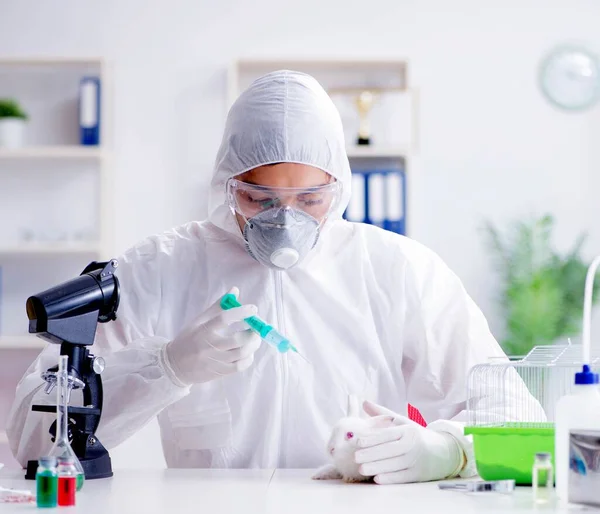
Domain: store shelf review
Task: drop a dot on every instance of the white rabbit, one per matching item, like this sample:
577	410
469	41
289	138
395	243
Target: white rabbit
342	444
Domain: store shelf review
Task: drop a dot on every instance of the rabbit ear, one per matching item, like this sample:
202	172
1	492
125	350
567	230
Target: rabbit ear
353	406
383	421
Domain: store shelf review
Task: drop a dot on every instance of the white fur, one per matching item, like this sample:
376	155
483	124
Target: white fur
342	450
327	472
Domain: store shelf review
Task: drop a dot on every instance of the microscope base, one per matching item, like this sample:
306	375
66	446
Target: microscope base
96	467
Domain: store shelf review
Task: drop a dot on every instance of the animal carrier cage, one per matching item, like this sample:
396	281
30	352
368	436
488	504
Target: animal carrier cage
511	408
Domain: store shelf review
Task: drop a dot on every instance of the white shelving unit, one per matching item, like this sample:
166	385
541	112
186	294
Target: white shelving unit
345	77
50	85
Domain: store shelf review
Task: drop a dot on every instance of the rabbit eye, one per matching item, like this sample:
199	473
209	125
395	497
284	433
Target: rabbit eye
349	435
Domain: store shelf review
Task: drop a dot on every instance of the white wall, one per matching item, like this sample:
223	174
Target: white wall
491	146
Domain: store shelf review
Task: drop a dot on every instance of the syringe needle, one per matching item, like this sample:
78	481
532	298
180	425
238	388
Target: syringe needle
296	351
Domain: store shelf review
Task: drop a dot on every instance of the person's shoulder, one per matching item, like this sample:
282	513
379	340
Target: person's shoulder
405	256
169	243
400	246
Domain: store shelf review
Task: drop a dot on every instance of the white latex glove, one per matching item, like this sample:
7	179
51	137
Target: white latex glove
211	347
407	452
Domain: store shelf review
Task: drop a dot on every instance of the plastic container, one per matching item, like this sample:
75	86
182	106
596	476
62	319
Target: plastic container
577	411
508	452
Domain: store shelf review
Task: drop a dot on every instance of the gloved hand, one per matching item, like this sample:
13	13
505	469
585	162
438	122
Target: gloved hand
407	452
210	347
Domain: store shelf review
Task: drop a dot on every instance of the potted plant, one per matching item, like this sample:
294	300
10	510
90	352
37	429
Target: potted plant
12	123
542	292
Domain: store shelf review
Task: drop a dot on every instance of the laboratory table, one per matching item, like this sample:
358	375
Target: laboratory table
272	491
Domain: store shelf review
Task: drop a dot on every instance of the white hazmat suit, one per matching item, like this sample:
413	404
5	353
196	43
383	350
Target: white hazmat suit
378	315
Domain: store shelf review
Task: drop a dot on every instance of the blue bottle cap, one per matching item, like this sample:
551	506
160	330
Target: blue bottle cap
586	376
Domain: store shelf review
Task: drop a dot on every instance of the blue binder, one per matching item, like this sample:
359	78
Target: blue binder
376	208
1	304
379	198
357	206
395	205
89	110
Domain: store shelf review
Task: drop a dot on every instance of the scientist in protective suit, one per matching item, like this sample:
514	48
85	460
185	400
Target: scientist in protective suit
378	315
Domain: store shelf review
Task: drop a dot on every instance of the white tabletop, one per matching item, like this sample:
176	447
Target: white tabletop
272	492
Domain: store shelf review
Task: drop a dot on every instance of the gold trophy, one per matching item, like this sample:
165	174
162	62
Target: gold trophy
364	102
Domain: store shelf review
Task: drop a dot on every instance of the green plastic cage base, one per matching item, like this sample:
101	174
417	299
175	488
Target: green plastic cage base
508	452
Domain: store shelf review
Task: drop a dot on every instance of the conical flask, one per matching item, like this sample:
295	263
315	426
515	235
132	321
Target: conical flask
61	447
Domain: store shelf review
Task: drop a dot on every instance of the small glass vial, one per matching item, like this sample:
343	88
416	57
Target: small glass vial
67	481
46	480
542	477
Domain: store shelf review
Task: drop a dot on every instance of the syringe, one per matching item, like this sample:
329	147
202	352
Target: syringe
263	329
480	486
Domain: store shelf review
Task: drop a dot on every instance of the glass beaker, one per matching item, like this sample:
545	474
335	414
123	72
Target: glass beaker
62	447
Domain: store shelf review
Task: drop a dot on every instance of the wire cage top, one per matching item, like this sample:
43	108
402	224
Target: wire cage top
523	392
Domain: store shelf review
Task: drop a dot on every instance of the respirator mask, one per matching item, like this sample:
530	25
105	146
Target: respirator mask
282	224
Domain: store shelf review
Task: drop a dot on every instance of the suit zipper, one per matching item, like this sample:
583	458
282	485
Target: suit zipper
283	362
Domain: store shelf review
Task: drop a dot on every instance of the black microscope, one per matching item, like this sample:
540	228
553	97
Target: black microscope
68	315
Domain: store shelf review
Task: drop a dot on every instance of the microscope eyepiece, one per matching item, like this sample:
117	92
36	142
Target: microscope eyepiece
69	312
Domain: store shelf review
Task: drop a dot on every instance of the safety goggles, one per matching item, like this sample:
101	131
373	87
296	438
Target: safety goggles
250	199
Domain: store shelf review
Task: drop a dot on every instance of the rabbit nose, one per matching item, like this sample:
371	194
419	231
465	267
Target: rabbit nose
331	450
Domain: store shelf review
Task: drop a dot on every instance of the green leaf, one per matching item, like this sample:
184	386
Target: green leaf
11	109
542	292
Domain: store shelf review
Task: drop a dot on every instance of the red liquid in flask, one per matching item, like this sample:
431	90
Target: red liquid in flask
66	491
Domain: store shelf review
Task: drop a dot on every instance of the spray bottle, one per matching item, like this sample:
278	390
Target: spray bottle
579	410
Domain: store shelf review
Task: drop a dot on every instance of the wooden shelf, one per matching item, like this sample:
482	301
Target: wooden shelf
333	73
250	63
23	342
375	152
52	61
50	248
53	152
